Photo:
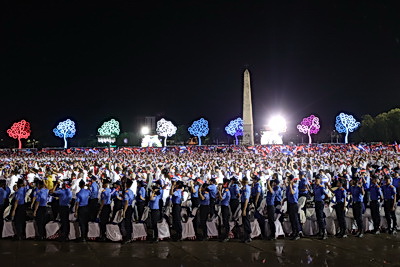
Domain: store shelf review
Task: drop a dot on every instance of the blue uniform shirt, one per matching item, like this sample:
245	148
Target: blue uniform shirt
106	196
3	195
396	182
64	196
278	193
82	197
234	189
256	189
213	190
270	198
155	203
302	185
356	193
94	190
196	191
375	192
206	200
129	196
389	191
319	193
292	198
177	196
42	197
340	194
8	192
141	193
367	183
226	197
245	193
20	195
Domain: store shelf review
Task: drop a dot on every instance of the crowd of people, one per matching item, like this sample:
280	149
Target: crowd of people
234	184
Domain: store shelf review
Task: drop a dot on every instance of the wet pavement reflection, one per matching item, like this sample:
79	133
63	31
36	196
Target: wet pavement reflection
380	250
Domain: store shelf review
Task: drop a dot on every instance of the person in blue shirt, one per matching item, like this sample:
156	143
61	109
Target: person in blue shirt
213	195
204	194
304	189
319	196
292	197
194	193
245	193
225	196
94	198
357	195
82	210
105	209
64	195
340	207
256	198
141	199
176	195
154	205
40	209
375	192
129	197
270	199
389	204
19	210
3	195
234	190
117	197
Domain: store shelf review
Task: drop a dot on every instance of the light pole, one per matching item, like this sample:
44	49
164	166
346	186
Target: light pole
108	139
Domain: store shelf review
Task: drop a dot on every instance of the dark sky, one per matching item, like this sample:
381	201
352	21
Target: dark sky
184	60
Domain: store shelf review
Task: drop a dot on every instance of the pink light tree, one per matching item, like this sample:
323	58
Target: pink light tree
309	125
18	130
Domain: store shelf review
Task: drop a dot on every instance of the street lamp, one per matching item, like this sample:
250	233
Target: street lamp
145	130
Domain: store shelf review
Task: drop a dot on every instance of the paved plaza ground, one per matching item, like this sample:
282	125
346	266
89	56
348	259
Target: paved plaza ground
382	250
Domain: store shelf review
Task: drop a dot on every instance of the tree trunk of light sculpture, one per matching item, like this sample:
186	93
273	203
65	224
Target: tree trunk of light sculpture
19	143
65	141
199	139
236	140
309	137
165	141
346	140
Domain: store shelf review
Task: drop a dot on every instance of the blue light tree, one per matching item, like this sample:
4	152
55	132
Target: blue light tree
235	128
65	129
346	123
199	128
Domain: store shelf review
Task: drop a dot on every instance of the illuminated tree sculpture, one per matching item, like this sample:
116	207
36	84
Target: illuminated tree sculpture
18	130
346	123
110	127
165	129
235	128
309	125
199	128
65	129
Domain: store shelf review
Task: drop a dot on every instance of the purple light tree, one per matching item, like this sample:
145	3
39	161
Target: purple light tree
235	128
309	125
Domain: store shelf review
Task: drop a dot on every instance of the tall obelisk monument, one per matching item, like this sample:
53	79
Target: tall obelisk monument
248	131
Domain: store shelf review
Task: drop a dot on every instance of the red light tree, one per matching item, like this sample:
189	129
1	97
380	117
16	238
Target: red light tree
18	130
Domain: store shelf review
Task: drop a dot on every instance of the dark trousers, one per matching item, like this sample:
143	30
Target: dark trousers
104	219
20	220
41	221
177	220
195	204
93	209
140	209
71	207
375	214
83	218
390	214
155	217
294	217
128	223
2	208
341	216
225	220
246	223
204	211
357	213
319	212
234	203
212	206
55	208
64	217
271	219
116	208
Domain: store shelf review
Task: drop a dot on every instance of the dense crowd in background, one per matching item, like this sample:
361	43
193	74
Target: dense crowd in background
236	185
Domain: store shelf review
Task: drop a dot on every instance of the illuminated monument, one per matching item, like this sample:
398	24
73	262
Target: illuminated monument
248	131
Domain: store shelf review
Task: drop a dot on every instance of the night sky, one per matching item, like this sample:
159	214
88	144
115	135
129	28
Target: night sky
184	60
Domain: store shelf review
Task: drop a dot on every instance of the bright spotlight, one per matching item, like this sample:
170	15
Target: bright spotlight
145	130
277	124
